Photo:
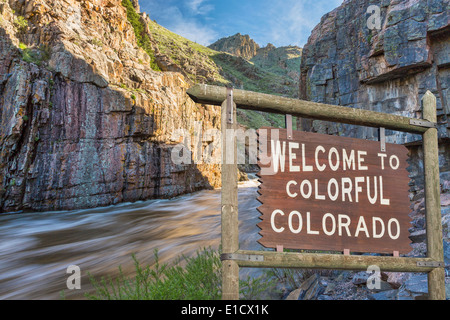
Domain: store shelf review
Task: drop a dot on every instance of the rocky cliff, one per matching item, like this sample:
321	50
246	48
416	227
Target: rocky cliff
351	61
84	120
385	59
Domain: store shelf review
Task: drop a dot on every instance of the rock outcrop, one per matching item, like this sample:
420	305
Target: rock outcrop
282	61
84	120
238	45
349	62
388	69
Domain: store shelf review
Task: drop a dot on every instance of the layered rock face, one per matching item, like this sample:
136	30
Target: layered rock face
84	121
351	61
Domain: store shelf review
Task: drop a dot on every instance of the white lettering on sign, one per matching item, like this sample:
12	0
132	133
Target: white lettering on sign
344	160
342	225
325	192
346	189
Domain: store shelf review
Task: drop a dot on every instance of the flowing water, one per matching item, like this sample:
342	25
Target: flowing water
37	248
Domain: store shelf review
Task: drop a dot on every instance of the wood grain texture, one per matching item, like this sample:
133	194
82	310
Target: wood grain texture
215	95
317	208
333	261
436	278
229	204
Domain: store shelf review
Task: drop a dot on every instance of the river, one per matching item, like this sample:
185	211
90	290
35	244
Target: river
36	248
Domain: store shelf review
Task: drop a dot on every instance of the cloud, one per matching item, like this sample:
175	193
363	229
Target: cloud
281	22
187	26
199	7
294	20
196	32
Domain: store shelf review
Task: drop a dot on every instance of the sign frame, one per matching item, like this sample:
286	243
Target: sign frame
233	258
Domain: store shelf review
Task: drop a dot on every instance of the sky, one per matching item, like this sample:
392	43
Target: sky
280	22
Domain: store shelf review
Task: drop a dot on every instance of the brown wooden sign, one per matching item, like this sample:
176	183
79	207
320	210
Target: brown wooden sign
322	192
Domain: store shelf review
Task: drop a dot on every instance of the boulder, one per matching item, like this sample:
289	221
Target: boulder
309	290
360	278
384	295
418	236
416	287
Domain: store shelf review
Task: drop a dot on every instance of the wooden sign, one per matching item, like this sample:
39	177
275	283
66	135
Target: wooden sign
322	192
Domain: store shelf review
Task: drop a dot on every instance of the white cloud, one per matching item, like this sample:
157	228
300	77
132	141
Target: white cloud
195	32
281	22
296	19
199	7
188	27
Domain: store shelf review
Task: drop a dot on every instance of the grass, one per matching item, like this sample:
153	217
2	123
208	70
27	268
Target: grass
188	55
139	31
189	278
204	65
199	279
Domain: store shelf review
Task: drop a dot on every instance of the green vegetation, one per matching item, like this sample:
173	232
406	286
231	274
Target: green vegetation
194	59
96	42
139	31
35	55
21	24
256	119
190	278
283	61
199	280
204	65
223	69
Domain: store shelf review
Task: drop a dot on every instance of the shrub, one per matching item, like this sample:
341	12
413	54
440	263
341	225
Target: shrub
21	24
96	42
35	55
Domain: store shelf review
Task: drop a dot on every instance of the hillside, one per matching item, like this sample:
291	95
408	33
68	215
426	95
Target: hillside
202	64
282	61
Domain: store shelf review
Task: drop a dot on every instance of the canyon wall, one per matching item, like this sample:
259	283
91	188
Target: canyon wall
354	59
84	120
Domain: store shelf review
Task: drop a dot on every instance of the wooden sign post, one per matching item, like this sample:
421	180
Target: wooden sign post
229	199
366	223
435	250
